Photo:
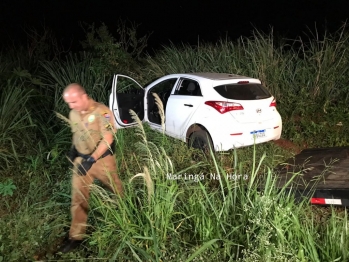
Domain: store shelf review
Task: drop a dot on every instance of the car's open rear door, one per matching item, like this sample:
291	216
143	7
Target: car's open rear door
126	94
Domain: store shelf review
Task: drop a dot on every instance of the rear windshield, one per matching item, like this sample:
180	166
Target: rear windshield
243	91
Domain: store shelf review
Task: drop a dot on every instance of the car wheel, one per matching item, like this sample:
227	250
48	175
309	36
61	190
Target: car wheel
201	140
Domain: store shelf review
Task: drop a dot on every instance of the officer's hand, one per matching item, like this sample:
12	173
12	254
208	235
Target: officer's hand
73	153
85	165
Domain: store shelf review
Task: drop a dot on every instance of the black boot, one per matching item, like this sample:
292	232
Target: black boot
69	245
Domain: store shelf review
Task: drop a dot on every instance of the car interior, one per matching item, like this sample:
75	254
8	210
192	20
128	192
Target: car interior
163	90
132	99
189	88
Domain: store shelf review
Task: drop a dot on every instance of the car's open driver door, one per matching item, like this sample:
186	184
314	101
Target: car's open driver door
126	94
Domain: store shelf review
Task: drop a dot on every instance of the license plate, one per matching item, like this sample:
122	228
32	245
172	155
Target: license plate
258	133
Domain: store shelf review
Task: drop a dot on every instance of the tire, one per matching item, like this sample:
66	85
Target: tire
200	140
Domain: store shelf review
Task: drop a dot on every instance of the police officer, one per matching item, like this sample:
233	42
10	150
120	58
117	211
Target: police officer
93	131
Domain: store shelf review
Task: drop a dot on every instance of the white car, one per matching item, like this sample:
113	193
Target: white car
222	111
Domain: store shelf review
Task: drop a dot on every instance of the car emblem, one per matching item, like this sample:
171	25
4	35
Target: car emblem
259	110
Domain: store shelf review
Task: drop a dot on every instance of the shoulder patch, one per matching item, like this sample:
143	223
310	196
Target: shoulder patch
106	115
91	118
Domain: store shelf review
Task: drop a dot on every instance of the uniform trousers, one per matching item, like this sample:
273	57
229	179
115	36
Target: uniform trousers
105	171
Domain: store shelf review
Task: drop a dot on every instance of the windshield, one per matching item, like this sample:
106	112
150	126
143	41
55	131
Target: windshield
243	91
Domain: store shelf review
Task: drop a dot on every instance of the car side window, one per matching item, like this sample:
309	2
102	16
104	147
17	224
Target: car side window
188	87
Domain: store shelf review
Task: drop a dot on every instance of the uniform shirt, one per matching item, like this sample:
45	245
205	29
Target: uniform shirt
89	127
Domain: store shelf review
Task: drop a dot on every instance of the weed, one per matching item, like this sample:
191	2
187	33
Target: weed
7	188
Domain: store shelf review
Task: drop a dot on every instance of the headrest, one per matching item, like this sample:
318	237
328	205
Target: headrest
191	87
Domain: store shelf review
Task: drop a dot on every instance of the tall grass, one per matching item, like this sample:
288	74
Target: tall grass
231	222
15	121
75	68
210	213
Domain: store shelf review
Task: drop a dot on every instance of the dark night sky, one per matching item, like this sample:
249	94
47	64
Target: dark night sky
178	21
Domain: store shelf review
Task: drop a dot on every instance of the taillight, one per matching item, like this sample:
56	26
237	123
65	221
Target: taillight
224	107
273	103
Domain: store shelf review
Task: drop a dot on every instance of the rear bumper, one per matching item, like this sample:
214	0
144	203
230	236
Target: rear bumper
230	138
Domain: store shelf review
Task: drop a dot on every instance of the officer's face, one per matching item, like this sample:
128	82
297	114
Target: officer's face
76	101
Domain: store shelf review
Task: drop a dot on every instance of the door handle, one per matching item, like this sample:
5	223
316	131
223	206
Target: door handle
188	105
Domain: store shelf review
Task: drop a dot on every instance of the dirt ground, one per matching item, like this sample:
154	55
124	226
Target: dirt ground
287	144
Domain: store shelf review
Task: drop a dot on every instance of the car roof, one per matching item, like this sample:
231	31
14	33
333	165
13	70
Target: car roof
219	76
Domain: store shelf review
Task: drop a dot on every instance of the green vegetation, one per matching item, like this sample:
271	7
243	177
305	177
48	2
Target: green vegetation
201	218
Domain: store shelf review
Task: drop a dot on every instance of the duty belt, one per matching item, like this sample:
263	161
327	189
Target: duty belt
106	153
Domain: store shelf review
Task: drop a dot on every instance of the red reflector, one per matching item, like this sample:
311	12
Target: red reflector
276	127
243	82
320	201
326	201
224	107
236	134
273	103
125	121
